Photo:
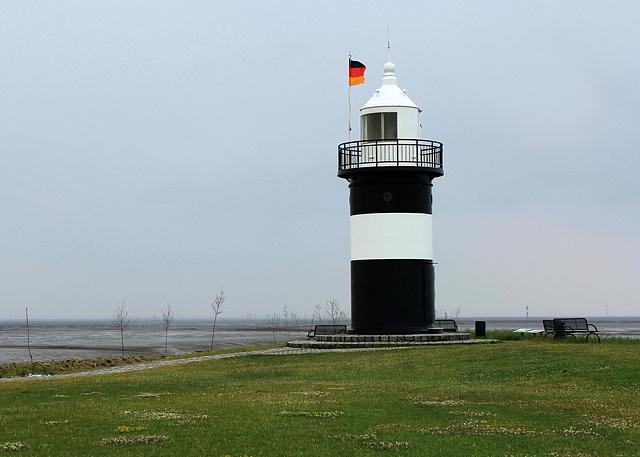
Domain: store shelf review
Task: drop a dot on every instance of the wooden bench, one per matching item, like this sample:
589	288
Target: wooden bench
561	327
330	329
447	325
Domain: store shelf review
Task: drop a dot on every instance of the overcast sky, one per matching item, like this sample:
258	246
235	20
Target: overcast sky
156	151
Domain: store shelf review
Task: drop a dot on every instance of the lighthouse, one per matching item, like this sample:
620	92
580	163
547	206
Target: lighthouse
390	172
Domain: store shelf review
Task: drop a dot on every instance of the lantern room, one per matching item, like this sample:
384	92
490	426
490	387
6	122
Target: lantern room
389	114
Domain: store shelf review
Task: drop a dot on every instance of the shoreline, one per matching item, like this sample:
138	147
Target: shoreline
24	369
81	340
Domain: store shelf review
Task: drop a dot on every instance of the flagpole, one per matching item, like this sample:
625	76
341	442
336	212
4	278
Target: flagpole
349	123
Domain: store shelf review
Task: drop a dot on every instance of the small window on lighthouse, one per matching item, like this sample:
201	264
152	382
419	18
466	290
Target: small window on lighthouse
390	126
379	126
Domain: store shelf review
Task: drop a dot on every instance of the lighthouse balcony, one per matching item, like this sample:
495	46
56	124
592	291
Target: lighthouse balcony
390	153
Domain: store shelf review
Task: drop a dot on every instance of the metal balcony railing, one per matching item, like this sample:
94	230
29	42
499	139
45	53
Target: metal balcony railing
389	153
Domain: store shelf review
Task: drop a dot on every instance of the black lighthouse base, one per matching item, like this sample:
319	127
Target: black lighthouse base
392	297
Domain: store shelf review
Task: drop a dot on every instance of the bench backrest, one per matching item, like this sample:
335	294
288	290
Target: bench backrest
447	324
331	329
579	324
548	325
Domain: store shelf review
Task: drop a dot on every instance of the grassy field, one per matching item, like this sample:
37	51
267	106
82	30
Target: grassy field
529	398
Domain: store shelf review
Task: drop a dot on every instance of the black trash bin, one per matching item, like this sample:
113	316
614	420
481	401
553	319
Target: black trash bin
481	329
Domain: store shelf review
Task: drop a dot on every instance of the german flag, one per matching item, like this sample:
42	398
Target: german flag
356	72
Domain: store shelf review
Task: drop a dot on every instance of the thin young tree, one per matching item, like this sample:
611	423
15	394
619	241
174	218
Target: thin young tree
285	314
274	323
316	317
294	318
216	307
333	311
167	320
26	311
249	318
120	321
444	314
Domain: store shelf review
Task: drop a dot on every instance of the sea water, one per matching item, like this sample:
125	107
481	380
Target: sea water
82	339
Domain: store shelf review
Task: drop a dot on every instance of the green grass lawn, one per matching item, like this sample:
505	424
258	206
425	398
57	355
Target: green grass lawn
530	398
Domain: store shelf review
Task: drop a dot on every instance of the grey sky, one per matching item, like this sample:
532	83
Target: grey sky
158	151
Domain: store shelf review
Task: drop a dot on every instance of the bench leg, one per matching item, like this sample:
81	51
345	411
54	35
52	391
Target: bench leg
586	340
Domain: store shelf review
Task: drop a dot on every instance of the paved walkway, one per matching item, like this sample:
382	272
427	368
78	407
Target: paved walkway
166	363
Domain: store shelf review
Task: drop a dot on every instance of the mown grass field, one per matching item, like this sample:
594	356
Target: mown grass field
530	398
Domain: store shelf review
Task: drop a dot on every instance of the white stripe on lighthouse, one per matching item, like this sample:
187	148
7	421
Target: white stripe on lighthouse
391	236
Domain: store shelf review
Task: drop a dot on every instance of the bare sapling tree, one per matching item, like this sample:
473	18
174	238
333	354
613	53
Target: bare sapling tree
167	320
26	311
120	321
253	320
316	317
216	307
444	314
249	318
274	323
285	315
294	318
334	313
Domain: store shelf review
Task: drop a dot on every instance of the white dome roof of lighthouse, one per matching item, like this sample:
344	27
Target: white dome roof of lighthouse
389	93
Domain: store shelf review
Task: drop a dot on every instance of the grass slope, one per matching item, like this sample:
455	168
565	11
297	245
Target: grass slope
531	398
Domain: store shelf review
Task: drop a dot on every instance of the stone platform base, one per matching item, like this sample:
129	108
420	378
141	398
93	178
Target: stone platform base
363	341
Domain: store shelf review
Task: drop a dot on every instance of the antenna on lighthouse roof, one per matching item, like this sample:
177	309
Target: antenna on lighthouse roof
388	46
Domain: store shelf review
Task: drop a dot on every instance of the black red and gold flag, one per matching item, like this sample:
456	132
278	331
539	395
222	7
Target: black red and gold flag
356	72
